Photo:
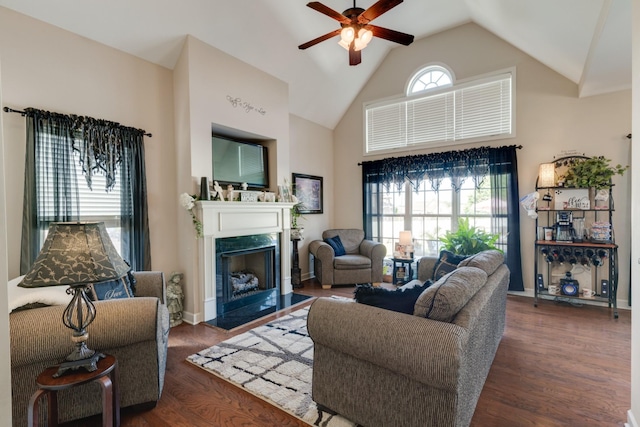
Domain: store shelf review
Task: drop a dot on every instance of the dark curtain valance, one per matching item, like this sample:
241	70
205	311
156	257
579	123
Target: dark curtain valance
456	165
100	143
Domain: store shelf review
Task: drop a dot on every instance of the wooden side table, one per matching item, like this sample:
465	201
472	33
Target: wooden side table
106	375
402	270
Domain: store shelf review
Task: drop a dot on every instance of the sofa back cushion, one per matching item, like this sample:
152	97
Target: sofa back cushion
350	238
445	298
489	261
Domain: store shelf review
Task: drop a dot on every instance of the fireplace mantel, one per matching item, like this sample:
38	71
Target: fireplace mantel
230	219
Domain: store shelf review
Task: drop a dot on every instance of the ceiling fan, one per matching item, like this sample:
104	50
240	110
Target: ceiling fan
356	31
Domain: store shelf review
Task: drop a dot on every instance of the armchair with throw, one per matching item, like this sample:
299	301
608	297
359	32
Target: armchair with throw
344	257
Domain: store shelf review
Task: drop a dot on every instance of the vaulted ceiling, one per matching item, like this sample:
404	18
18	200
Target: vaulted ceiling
588	42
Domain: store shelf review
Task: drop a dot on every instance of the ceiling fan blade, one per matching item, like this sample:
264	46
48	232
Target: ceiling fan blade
316	5
320	39
377	9
391	35
355	56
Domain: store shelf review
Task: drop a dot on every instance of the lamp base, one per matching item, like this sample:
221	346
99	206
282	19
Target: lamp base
90	364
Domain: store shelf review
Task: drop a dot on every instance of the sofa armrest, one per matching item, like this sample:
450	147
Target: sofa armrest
38	335
323	262
426	350
150	284
375	251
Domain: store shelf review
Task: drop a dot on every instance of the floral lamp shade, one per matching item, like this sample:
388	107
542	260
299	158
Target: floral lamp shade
75	253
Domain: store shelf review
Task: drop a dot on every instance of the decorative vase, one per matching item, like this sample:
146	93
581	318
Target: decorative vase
296	233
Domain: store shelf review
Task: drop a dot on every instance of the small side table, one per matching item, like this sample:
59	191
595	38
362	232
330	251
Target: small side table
296	272
402	270
106	375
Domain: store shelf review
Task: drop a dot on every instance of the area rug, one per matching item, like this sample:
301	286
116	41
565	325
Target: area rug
273	362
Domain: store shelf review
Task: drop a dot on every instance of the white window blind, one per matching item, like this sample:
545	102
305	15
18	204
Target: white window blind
479	109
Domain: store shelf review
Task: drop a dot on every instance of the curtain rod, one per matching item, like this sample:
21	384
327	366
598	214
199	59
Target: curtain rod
519	147
24	113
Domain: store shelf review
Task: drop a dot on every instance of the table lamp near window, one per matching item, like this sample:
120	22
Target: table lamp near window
406	241
77	255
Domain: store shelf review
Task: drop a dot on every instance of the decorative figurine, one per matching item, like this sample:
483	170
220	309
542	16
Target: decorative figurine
175	297
218	189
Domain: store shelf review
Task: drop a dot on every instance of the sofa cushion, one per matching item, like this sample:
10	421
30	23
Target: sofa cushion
113	289
447	262
336	244
400	300
489	261
351	262
444	299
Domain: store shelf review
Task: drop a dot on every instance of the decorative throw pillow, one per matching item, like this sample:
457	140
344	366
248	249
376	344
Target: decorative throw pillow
113	289
336	244
401	300
447	262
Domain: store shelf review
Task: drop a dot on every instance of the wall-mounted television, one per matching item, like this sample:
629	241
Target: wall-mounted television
236	161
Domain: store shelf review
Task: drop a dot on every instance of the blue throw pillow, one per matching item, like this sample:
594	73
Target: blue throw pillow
336	244
447	262
123	287
400	300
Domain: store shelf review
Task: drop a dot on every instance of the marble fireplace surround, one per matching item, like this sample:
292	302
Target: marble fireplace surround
231	219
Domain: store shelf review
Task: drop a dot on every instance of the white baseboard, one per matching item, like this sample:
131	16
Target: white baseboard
631	420
622	305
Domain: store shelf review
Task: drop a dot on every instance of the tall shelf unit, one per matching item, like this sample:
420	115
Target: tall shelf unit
590	256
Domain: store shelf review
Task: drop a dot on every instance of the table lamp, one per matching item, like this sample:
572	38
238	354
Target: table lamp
406	241
76	254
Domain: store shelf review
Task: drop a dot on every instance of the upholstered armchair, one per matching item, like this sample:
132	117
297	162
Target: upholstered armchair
360	263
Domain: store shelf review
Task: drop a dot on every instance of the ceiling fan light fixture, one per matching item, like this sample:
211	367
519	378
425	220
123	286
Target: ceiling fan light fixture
365	35
347	34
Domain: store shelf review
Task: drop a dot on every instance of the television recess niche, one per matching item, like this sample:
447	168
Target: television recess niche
239	157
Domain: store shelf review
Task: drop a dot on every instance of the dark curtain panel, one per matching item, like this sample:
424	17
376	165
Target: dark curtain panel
506	204
50	192
499	164
135	217
103	147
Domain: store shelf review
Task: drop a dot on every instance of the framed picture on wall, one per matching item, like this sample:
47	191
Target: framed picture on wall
308	190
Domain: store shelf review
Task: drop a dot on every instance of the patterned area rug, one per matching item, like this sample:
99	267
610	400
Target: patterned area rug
273	362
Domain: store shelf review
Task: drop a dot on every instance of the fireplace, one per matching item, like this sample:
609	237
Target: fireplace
247	272
240	223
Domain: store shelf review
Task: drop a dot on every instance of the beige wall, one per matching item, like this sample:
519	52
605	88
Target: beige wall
634	411
204	80
312	154
5	344
51	69
550	118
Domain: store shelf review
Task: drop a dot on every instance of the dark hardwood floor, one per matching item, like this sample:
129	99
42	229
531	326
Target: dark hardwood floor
557	365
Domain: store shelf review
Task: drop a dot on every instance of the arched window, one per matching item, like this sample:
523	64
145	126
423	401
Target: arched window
430	77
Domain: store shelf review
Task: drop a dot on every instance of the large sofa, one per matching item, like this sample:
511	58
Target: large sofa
379	367
134	330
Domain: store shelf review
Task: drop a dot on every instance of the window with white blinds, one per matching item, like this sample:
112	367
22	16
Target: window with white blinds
481	109
94	205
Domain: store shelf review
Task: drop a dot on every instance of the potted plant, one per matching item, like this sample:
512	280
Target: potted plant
594	172
468	240
296	216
